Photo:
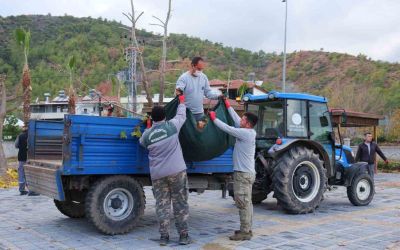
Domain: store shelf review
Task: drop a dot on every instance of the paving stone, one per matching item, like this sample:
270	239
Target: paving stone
35	223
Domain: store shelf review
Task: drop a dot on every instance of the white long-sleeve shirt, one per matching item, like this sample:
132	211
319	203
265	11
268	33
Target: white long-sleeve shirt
245	145
195	88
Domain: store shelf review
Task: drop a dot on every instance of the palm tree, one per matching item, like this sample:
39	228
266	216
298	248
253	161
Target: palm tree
23	39
71	91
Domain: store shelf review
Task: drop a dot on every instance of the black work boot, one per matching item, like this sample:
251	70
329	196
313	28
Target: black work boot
241	236
238	231
164	239
184	239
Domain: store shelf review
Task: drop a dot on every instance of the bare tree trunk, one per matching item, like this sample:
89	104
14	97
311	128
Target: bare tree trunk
71	100
145	81
164	55
27	88
3	98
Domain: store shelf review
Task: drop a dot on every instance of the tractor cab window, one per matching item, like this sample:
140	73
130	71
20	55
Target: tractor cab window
296	118
270	123
320	122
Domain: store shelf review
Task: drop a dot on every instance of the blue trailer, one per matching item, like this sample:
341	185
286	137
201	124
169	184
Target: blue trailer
93	166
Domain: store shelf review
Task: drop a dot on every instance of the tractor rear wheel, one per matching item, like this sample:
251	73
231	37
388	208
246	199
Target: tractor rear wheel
299	180
362	190
115	204
71	209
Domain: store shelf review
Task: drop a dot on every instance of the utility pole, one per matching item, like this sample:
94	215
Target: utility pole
284	52
130	55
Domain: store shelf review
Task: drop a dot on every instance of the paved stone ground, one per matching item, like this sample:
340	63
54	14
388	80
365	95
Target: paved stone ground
34	223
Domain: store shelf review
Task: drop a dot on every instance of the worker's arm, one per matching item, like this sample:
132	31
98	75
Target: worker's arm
240	133
236	118
358	155
208	92
180	85
180	116
380	153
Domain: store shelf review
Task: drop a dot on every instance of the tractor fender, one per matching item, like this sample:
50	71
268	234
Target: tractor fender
276	150
355	169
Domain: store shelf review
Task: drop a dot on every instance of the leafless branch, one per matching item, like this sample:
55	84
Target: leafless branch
174	70
137	18
163	23
156	24
129	18
125	28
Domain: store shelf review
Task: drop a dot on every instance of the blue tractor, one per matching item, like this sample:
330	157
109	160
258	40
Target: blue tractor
297	157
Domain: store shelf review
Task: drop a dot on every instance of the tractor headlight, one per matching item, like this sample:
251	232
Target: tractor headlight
246	98
271	96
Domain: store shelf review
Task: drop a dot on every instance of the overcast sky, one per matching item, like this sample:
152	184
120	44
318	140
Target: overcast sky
370	27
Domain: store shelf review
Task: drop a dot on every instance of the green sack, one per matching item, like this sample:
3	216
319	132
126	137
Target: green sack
205	144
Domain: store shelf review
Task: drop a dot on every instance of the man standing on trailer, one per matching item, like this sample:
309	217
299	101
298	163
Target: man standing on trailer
194	85
168	171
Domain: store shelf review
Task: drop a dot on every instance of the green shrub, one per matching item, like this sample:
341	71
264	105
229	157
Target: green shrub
392	166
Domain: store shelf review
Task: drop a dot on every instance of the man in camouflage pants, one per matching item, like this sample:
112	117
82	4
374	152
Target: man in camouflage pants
168	171
243	166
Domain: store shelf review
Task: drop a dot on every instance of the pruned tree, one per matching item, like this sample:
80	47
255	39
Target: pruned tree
71	90
23	39
145	82
164	25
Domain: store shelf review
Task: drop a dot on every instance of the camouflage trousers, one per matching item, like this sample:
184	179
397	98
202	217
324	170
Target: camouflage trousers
173	189
242	188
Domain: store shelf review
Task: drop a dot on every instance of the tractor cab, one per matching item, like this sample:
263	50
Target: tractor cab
296	143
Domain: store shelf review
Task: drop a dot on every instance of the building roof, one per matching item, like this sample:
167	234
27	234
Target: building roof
207	103
354	119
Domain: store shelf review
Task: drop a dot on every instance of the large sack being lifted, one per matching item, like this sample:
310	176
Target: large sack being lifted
205	144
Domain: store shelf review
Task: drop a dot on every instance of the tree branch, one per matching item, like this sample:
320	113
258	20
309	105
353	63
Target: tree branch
130	19
173	69
156	24
125	28
8	110
137	18
159	20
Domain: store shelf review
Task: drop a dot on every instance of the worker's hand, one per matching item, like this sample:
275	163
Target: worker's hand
213	115
178	92
181	99
227	103
387	162
148	122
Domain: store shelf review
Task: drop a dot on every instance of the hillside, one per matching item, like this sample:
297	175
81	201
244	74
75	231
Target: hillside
356	83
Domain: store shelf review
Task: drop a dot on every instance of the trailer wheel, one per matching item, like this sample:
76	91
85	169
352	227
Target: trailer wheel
299	180
115	204
71	209
362	190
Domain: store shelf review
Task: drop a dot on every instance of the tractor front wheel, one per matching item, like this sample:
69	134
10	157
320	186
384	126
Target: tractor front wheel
362	190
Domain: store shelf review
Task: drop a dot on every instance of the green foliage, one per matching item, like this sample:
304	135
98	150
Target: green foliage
122	135
72	63
242	90
23	38
392	166
136	132
11	129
